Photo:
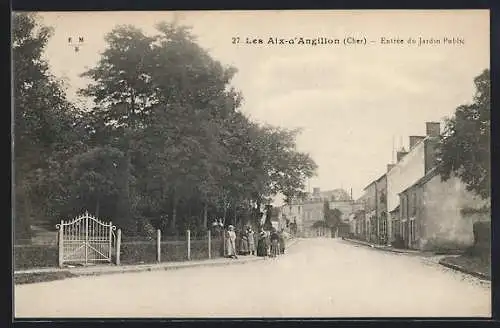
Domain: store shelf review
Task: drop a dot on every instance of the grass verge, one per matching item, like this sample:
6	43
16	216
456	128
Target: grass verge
473	265
34	277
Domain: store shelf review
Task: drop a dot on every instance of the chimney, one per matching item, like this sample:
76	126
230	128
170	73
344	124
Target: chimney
400	155
390	166
433	129
414	140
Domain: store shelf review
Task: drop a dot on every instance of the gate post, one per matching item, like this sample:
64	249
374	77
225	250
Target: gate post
110	242
189	244
86	238
118	245
158	245
209	244
61	244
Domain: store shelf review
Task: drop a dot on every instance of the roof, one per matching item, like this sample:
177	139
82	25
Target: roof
374	181
395	209
431	174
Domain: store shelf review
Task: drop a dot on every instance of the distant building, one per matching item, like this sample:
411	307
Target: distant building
304	213
371	223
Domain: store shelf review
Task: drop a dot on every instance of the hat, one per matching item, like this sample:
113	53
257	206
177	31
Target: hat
230	227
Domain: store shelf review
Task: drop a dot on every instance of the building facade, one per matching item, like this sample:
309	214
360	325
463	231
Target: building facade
307	212
372	219
411	206
410	167
432	213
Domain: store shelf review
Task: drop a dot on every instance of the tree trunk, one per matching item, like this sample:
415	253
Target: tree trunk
258	216
205	215
225	212
173	223
97	208
124	207
235	217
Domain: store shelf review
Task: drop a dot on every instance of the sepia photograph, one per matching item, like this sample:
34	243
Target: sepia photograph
251	164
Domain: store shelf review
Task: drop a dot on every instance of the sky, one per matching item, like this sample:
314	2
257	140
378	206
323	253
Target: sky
353	102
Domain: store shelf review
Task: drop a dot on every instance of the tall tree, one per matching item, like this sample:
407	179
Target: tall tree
169	107
47	127
465	146
122	90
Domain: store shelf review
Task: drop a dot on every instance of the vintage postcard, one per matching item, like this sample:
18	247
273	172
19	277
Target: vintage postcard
251	164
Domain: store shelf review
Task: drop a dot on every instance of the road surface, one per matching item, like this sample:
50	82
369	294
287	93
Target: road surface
316	278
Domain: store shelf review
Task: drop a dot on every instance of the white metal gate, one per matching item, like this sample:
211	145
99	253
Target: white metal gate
85	239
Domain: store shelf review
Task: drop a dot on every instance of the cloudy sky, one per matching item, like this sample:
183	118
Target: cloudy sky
352	101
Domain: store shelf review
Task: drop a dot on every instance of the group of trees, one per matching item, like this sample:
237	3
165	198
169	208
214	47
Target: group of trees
332	218
164	145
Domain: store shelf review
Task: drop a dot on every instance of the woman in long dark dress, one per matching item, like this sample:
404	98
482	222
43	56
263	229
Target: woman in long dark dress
244	249
275	239
262	245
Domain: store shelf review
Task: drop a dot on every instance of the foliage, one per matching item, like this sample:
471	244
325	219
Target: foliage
332	217
47	128
165	145
465	147
35	256
319	224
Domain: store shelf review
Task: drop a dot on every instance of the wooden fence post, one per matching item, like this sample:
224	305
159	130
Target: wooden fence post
61	246
223	243
209	244
158	245
118	245
189	244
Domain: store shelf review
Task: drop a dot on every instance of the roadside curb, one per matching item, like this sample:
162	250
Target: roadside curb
51	274
82	272
462	269
385	248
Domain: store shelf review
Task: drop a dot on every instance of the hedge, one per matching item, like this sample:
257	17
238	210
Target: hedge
217	248
173	251
132	252
199	249
35	256
137	252
482	240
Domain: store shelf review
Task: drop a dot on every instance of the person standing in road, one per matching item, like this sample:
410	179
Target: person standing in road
231	242
275	239
244	243
261	244
282	241
251	241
